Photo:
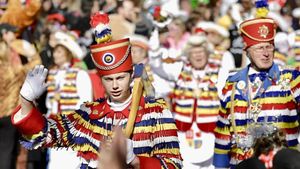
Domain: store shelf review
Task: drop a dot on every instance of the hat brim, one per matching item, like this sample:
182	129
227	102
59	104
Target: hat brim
68	42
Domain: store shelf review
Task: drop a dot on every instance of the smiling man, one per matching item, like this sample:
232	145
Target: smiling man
153	142
257	100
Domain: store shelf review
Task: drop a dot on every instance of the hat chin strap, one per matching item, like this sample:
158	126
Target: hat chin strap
115	65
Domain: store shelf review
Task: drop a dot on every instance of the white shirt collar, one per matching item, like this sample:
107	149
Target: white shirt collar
252	71
119	106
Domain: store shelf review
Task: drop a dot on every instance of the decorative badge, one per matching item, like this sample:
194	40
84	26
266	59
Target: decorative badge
108	58
263	31
255	109
241	85
284	83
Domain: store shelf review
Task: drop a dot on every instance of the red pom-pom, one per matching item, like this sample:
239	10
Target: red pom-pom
98	18
156	14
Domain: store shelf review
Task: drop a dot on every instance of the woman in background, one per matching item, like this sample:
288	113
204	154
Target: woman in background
69	86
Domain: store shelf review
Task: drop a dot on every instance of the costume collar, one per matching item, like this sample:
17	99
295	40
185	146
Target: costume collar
124	108
273	74
241	79
119	106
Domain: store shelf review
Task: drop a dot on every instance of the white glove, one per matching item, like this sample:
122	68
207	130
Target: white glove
34	84
130	154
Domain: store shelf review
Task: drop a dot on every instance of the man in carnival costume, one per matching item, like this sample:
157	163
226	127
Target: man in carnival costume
153	142
258	100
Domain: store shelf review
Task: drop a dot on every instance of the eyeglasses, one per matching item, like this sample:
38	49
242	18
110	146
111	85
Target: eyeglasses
261	49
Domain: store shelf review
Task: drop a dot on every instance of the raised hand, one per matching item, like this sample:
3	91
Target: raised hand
34	84
118	152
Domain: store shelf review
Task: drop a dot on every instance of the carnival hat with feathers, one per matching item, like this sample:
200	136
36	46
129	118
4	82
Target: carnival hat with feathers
110	57
159	17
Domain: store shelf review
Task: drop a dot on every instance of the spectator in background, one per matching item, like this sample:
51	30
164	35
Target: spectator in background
282	55
194	101
69	87
177	37
21	15
218	37
123	22
16	58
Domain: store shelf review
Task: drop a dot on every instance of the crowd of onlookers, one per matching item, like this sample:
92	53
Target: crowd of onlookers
57	34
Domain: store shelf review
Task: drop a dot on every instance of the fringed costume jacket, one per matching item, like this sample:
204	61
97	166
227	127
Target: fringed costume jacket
154	136
275	104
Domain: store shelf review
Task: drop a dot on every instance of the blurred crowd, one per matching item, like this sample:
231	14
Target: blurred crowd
164	35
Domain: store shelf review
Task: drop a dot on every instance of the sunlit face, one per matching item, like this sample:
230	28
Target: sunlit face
117	86
261	56
61	55
138	54
198	57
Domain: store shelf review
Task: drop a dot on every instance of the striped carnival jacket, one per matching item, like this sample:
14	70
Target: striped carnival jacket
196	100
68	97
154	136
278	97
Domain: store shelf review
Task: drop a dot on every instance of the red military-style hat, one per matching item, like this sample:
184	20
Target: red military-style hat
109	57
258	30
112	57
261	29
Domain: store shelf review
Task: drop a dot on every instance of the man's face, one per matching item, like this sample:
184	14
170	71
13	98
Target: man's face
261	56
198	57
117	86
138	54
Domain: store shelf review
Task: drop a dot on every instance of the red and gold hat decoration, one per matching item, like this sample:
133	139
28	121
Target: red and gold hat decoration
109	57
260	29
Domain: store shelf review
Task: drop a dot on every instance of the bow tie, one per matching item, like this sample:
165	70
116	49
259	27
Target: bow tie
262	76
